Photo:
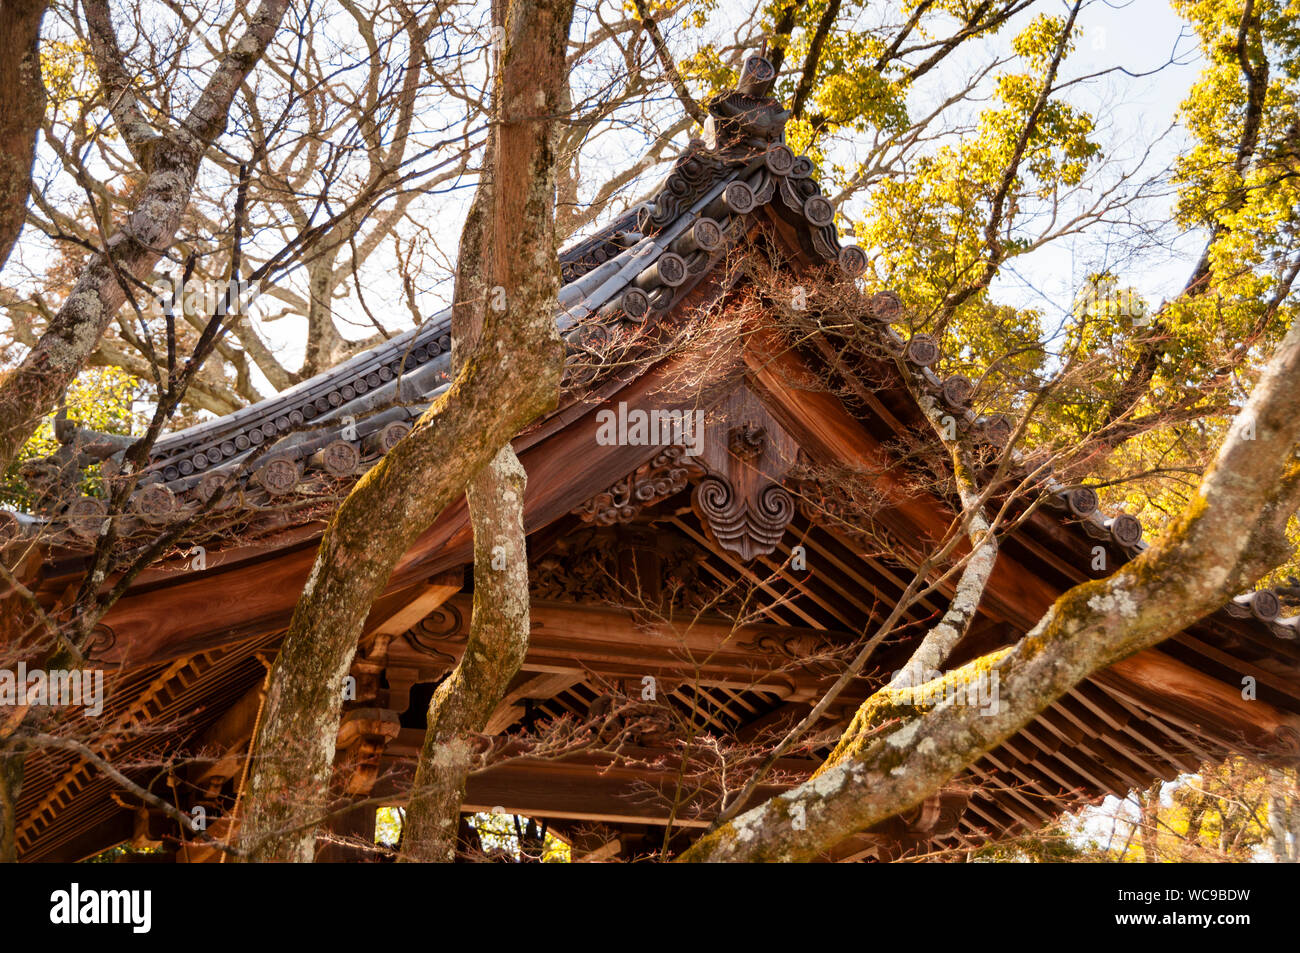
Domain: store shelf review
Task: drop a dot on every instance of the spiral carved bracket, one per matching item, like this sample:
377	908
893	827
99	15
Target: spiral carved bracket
741	502
430	635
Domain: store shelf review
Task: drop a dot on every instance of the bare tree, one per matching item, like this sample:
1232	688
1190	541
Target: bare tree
170	161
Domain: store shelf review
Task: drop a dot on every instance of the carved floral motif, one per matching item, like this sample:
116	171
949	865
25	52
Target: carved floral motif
666	474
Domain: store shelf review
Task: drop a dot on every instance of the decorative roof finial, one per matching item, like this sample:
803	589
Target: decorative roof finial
747	113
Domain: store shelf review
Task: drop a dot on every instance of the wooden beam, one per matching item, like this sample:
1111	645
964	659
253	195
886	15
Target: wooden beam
533	686
605	852
634	789
396	613
580	640
1217	710
1015	593
830	434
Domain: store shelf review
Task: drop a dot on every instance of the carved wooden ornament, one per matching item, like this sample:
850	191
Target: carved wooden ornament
741	502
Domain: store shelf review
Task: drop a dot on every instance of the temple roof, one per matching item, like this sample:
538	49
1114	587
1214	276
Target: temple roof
627	274
630	271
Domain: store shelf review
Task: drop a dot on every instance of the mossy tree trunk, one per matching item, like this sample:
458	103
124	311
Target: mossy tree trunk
509	378
499	626
497	644
900	749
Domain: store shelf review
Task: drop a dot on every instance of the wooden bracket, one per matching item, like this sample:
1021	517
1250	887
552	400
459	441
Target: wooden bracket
741	502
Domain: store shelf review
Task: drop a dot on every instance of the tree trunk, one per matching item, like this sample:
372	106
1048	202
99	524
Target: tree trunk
1149	822
499	624
22	110
508	380
497	644
11	785
1282	823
